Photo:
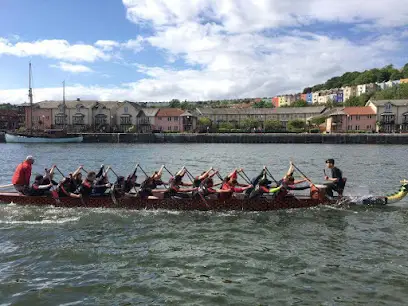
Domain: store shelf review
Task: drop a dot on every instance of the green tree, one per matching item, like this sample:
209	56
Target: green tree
307	90
175	103
272	126
226	126
405	71
249	123
299	103
204	121
318	120
396	75
296	125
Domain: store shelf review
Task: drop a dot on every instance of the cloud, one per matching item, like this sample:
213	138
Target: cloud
106	45
243	15
74	68
53	48
219	49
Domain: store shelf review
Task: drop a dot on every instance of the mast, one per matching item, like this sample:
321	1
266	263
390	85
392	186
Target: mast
30	96
63	104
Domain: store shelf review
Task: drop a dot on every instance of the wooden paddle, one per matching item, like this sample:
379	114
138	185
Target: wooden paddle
191	177
305	177
6	186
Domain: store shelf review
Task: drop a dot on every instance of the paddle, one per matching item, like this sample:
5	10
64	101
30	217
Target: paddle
304	176
270	174
191	177
6	186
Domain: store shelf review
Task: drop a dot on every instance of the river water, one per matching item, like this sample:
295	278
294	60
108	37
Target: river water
319	256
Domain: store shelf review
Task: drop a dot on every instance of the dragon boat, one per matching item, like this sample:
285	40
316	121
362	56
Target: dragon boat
266	203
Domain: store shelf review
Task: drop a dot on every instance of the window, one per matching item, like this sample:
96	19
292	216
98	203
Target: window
78	119
368	127
126	109
358	117
160	118
175	118
100	119
357	127
351	117
168	118
369	116
125	120
59	119
176	128
169	128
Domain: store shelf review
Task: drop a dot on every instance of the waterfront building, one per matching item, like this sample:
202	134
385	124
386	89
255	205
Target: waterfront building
355	118
391	115
11	119
175	120
237	116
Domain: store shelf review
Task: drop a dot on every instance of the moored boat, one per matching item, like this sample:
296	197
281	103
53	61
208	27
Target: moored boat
259	204
42	138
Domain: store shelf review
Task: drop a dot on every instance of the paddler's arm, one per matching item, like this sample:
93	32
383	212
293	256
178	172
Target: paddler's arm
290	170
274	190
48	186
77	171
206	174
186	184
212	174
160	172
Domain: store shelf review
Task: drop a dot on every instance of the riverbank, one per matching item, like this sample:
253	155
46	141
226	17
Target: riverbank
244	138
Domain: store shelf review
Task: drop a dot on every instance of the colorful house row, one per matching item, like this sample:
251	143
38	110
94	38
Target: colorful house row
337	95
107	116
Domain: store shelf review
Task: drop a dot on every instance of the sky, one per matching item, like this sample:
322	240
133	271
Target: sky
158	50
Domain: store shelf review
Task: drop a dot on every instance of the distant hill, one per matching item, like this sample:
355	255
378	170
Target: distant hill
385	74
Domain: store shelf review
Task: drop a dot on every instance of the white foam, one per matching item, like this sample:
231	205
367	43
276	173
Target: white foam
45	221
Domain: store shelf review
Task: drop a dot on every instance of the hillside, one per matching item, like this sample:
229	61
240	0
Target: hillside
385	74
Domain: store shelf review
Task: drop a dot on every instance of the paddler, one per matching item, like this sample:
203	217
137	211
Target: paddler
149	185
231	185
102	183
39	188
207	189
175	184
85	189
22	175
335	182
205	174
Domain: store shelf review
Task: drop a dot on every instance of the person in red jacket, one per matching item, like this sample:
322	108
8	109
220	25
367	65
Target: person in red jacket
22	175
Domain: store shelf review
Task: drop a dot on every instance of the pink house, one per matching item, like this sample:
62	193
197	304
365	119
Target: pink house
175	120
42	118
354	118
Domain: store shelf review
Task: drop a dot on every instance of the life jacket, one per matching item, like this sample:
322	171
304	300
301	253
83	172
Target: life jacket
35	191
197	182
22	174
86	188
225	195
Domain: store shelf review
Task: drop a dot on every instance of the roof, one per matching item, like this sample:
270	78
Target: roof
359	110
169	112
261	111
150	112
400	102
73	103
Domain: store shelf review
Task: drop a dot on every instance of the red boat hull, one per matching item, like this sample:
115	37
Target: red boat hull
128	202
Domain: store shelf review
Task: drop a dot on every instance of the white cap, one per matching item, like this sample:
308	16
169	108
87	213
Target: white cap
29	157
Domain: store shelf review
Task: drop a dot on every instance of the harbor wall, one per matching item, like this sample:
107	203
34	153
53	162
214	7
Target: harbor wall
249	138
244	138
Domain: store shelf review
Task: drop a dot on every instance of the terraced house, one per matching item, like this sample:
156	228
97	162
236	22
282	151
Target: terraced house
391	115
237	116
